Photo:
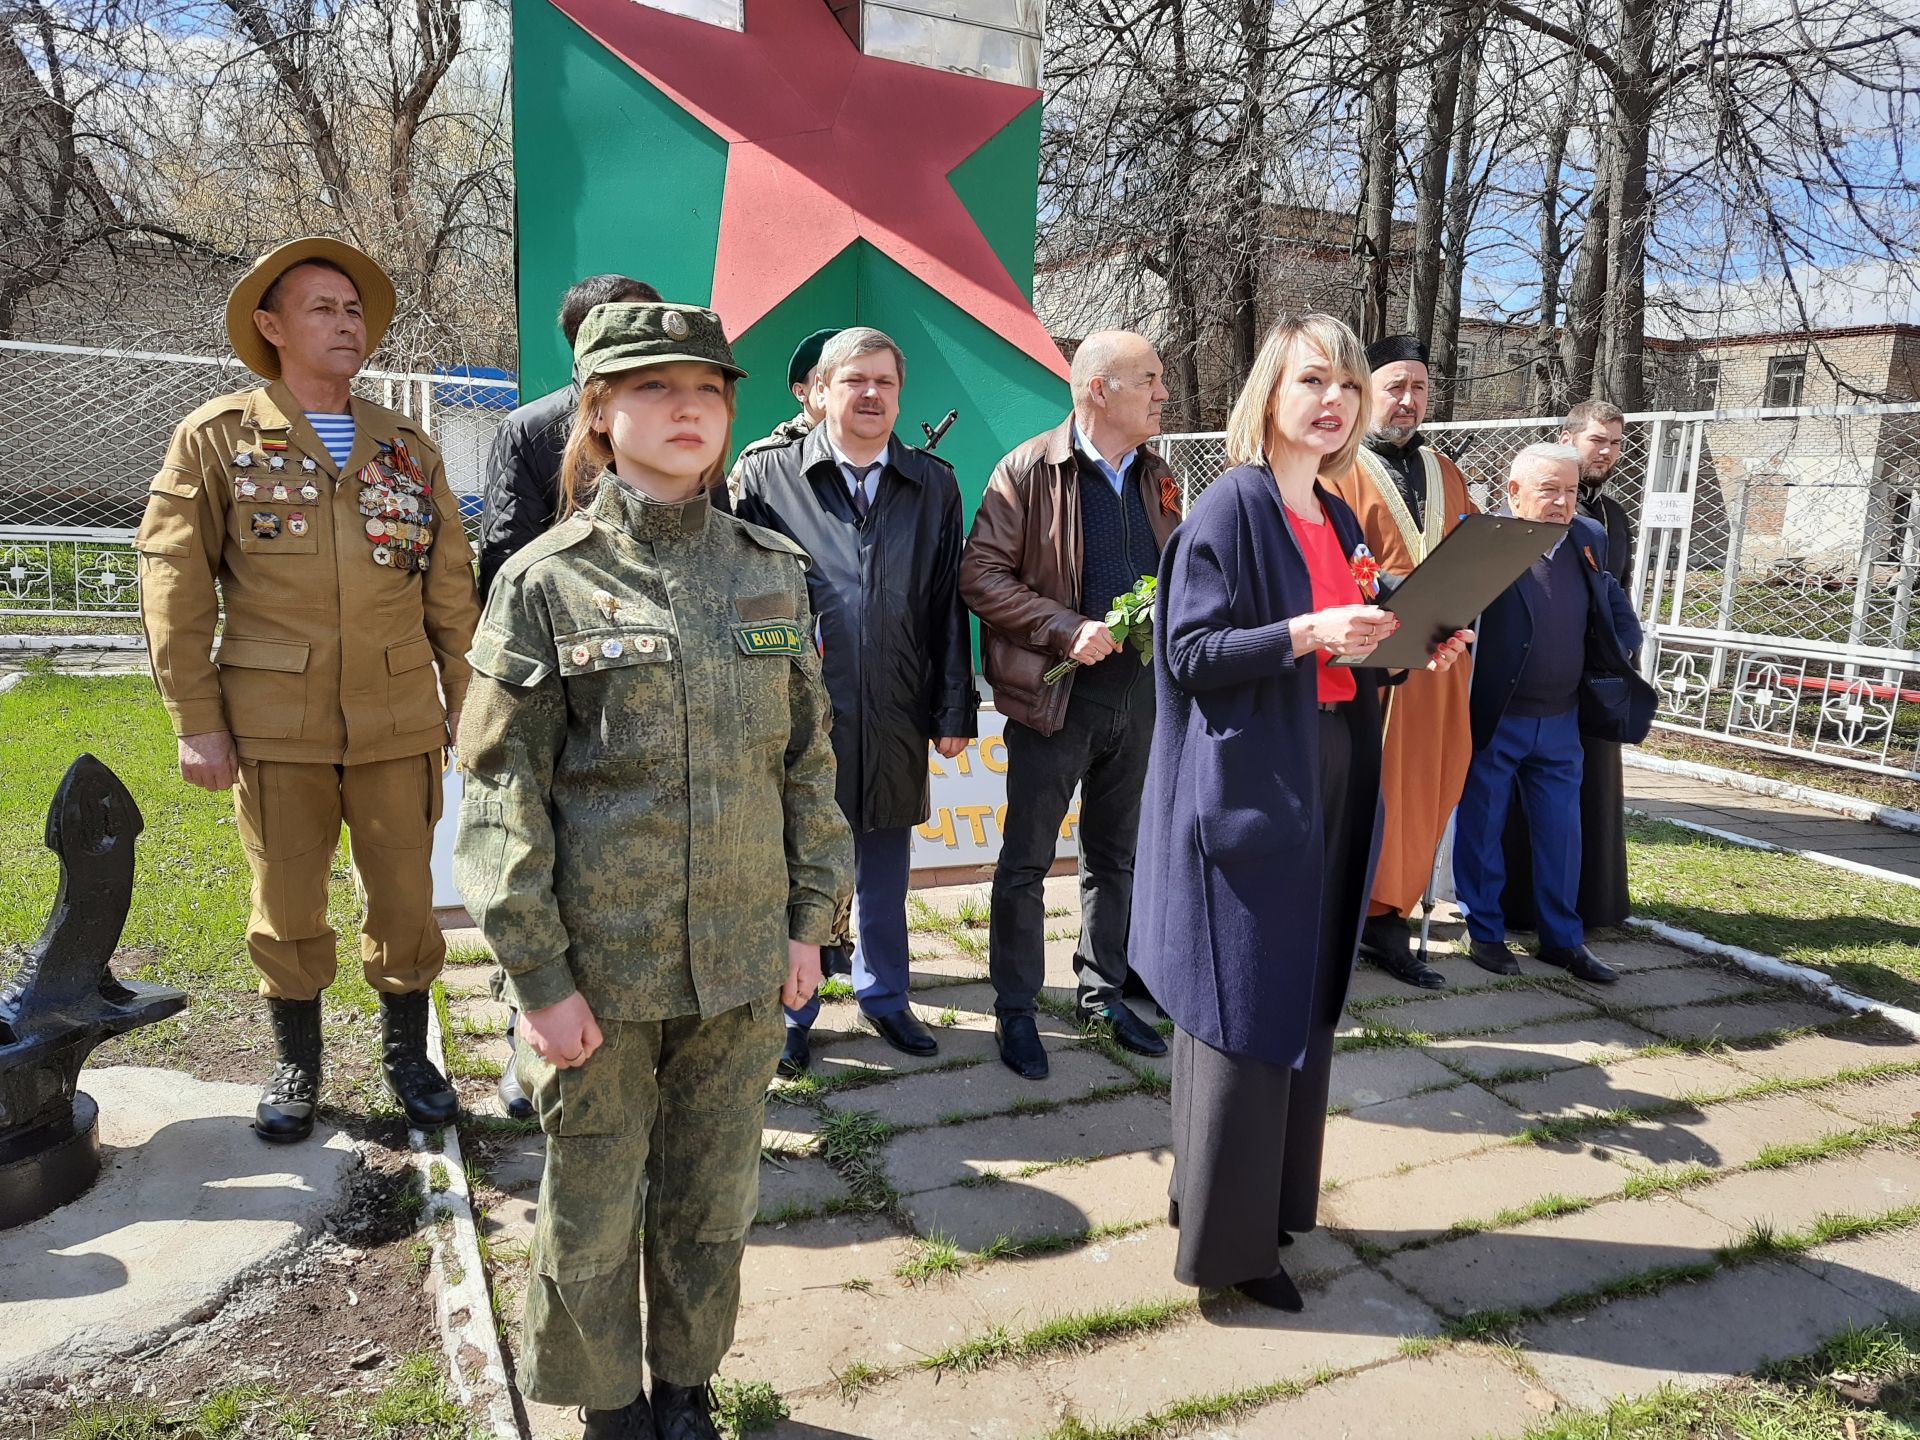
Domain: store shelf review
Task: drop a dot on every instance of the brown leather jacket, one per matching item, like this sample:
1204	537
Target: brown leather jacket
1020	572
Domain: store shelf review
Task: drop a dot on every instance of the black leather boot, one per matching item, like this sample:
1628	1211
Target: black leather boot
423	1092
633	1421
684	1412
285	1111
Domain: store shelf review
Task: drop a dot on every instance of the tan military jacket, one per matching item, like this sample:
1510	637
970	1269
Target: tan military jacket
649	812
326	655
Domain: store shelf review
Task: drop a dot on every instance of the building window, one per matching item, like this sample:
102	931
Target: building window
1463	374
1706	385
1786	379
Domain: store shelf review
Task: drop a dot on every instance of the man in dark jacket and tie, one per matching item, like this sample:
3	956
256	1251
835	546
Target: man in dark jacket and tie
1540	642
881	521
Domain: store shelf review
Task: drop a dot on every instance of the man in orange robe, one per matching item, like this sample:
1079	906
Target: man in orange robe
1408	497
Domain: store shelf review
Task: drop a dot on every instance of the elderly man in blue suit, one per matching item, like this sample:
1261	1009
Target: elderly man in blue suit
1552	663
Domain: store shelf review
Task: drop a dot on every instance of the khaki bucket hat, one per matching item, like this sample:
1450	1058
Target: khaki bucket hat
376	296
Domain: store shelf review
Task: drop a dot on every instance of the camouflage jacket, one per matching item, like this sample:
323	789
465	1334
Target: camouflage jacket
649	812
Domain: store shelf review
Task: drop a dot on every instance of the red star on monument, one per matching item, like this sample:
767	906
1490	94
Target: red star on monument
827	146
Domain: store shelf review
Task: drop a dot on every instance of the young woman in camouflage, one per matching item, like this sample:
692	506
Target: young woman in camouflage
650	843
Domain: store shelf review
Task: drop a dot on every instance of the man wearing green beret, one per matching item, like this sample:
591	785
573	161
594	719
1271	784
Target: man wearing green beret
802	369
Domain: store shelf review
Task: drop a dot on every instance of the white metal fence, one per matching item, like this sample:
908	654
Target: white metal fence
1775	565
82	431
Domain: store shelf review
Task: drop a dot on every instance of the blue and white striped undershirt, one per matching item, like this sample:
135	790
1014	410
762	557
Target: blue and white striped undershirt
336	433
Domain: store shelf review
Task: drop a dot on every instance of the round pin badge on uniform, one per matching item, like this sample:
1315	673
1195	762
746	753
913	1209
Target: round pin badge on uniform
581	654
612	649
675	324
309	491
307	464
382	555
645	644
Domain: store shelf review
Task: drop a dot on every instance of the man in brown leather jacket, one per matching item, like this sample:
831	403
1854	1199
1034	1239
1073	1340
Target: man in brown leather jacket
1070	520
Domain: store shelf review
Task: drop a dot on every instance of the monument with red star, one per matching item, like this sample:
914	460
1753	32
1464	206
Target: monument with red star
769	166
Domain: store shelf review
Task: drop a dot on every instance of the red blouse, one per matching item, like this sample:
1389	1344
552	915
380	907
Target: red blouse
1333	586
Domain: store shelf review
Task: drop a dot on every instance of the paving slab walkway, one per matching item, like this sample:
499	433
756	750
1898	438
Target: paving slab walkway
1538	1194
1773	820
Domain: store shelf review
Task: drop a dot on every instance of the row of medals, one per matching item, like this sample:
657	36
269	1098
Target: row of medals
266	524
394	498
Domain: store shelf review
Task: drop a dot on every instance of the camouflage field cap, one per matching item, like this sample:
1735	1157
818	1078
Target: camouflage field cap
629	335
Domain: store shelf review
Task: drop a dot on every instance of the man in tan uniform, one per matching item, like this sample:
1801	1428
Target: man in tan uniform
1408	497
325	526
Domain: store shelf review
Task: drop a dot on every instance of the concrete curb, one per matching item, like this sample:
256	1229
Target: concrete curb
8	681
1733	837
1852	807
73	642
1771	967
463	1301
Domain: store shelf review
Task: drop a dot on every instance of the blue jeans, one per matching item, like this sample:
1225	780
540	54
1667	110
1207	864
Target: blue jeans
1541	757
881	862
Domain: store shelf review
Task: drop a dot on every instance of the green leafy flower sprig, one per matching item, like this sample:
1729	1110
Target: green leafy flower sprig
1131	618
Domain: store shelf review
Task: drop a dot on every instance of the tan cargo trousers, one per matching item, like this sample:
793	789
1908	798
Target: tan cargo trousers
289	816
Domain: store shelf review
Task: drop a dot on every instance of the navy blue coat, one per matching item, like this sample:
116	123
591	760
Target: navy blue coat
1505	636
1228	882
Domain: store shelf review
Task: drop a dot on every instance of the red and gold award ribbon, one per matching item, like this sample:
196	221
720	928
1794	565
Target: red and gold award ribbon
1365	571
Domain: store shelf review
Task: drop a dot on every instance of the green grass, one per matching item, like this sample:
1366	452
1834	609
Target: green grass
933	1257
744	1406
414	1405
1063	1334
1880	789
1665	1179
1865	933
850	1142
190	896
1183	1417
1861	1385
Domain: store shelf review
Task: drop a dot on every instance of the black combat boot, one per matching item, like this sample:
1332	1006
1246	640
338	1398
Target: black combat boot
423	1092
632	1421
684	1412
285	1111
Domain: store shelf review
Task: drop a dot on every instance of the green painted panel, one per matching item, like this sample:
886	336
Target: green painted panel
1000	184
610	175
830	297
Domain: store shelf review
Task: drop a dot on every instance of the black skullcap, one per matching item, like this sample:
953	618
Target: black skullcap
1389	348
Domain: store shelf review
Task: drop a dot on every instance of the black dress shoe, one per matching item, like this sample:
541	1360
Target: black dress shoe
1277	1292
632	1421
905	1033
797	1056
285	1111
513	1099
1581	963
1493	955
1020	1047
416	1082
1129	1031
1387	941
684	1412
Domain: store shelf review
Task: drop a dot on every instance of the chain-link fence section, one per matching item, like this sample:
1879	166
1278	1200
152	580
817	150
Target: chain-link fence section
82	431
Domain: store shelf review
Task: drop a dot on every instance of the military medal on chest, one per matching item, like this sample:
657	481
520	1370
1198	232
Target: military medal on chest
397	502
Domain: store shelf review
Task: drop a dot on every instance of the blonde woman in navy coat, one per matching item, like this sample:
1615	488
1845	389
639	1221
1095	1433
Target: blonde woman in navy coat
1261	816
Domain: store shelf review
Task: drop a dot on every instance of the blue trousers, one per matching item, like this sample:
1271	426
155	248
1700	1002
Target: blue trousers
1541	758
881	862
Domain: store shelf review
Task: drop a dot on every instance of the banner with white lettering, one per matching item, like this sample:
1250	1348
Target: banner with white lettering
970	802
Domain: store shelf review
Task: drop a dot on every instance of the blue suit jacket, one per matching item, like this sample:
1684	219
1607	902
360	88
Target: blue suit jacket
1506	636
1230	873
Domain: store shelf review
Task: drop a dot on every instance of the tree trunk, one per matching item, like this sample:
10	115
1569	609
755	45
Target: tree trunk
1183	304
1586	297
1461	199
1249	192
1625	313
1547	385
1430	185
1375	244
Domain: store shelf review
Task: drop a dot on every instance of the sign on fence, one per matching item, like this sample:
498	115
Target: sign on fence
1668	510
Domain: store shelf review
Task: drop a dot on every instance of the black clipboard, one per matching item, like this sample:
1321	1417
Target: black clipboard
1465	572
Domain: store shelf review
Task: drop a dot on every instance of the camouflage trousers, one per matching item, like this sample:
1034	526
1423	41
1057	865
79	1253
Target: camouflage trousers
658	1134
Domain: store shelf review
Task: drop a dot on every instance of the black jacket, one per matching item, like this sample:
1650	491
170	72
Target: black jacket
523	478
886	591
1613	697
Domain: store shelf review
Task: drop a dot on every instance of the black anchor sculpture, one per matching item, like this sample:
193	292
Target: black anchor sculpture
66	1000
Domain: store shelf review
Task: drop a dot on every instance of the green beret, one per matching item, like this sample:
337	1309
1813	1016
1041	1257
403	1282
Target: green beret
806	355
627	336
